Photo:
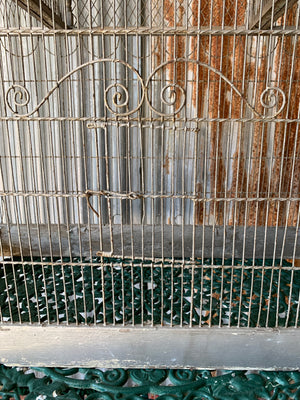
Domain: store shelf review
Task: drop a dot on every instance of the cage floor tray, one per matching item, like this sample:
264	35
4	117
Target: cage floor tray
75	291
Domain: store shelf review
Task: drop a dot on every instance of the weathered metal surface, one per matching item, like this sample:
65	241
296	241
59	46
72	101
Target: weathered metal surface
155	130
269	12
150	347
43	13
147	241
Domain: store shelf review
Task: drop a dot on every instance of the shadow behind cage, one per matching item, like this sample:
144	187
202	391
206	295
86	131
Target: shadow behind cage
149	182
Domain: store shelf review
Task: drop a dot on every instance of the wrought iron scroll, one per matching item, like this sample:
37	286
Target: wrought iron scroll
18	96
163	384
117	97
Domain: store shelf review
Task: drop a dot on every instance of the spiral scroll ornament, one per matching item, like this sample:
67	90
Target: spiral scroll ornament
182	376
116	377
270	98
120	98
163	96
170	94
17	96
176	93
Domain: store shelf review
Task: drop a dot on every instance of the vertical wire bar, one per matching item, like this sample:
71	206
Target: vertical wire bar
65	186
162	202
183	219
62	173
225	217
173	79
269	299
278	205
248	177
290	195
123	292
184	189
51	148
152	295
237	173
15	189
276	235
110	221
256	203
40	179
73	179
6	210
22	182
257	208
79	145
196	140
211	189
219	133
113	294
37	208
264	132
251	144
129	183
173	217
91	46
143	47
205	194
296	237
236	191
264	272
292	68
146	173
105	166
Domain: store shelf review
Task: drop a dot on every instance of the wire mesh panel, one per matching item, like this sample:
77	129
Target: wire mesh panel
150	163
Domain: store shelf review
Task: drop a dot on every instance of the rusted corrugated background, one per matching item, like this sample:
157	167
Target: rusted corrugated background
213	148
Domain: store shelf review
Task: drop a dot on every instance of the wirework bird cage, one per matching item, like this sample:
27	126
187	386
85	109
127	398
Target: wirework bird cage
149	183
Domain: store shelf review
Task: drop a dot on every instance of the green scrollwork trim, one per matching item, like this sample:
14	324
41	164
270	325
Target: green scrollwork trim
119	384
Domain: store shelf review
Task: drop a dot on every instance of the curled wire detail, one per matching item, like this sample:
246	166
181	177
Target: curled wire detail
269	99
169	96
119	99
17	96
172	95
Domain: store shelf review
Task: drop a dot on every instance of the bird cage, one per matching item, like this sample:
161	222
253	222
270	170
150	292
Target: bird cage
149	183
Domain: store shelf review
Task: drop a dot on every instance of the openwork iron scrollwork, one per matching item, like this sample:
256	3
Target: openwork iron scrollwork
91	384
172	95
117	98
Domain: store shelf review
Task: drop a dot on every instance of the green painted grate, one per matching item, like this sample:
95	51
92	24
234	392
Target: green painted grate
261	293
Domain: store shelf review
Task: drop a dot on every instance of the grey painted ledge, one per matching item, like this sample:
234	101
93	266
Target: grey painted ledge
151	241
148	347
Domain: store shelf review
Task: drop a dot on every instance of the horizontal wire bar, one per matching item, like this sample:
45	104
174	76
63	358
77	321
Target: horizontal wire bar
128	122
137	195
152	262
141	30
